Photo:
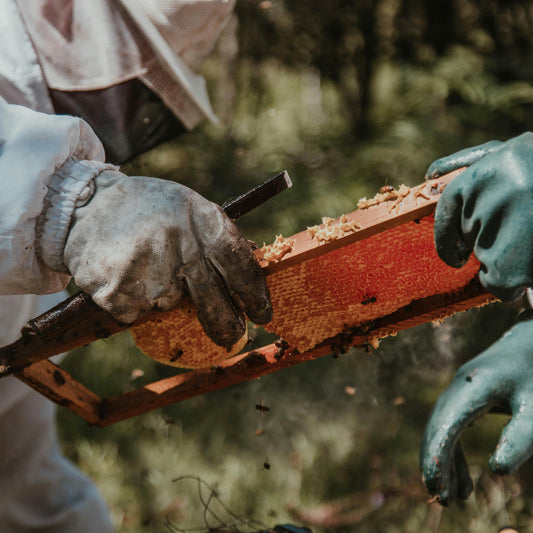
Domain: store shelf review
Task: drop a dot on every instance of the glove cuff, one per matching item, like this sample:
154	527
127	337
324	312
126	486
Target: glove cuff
71	186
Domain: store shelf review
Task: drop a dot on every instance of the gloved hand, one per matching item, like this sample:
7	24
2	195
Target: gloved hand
502	377
142	243
488	209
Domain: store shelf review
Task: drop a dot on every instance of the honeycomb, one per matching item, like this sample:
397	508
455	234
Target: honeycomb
372	271
357	283
176	338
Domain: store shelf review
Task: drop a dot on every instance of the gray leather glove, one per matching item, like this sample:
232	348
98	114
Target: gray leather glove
142	243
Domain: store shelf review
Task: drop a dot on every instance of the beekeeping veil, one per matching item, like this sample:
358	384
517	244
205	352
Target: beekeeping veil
105	60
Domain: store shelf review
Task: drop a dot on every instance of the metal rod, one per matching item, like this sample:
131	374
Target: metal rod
258	195
78	320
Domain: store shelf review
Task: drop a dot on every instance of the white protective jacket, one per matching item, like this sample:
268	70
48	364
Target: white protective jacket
69	45
79	45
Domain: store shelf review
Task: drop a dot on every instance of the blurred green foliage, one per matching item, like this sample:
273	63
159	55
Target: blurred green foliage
347	96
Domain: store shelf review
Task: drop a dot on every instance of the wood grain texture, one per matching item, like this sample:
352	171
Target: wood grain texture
58	385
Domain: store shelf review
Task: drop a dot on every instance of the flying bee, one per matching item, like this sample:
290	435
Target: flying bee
262	408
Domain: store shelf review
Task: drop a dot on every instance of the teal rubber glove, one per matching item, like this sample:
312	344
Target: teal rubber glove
502	378
488	209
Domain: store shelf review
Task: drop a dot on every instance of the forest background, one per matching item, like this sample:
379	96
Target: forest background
347	96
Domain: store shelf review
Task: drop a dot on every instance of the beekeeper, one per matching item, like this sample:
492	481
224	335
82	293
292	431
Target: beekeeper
133	243
488	210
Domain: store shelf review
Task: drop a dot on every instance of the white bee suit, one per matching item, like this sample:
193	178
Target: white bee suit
160	42
39	489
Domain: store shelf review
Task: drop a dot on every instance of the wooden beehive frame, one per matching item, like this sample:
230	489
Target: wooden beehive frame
56	384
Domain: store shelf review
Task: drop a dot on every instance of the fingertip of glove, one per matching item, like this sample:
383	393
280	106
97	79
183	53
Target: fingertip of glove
433	484
455	256
226	336
262	315
224	340
442	492
500	466
432	174
434	170
444	499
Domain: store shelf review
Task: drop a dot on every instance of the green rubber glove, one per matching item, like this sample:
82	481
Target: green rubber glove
488	209
500	377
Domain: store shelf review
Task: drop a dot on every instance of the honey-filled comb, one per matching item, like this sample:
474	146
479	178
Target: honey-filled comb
341	274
